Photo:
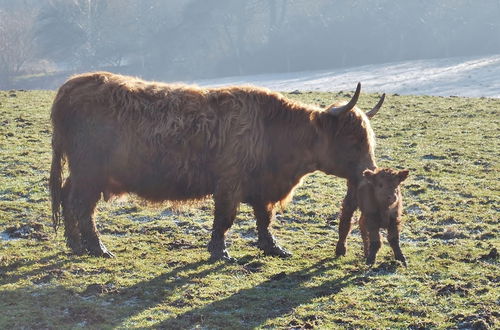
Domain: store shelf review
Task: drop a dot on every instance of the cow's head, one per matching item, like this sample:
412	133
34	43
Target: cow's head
348	142
385	183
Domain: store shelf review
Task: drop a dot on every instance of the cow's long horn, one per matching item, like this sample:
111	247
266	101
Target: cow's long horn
376	108
337	111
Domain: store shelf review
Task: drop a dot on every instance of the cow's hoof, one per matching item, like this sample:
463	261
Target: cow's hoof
221	255
340	250
75	246
277	251
99	250
268	245
217	249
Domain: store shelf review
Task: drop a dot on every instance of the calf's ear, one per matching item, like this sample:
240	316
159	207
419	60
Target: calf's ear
368	174
403	175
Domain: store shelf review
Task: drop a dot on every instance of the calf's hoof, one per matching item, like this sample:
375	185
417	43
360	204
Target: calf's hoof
402	259
370	260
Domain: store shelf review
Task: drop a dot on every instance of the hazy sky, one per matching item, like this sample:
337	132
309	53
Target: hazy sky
192	39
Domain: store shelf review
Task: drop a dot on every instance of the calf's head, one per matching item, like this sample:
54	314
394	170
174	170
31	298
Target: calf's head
385	182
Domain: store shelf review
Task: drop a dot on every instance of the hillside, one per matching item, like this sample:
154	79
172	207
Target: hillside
462	76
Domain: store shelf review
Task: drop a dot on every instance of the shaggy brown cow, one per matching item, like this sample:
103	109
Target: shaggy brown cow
381	205
176	142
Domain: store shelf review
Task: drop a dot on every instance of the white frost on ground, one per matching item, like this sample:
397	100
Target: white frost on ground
470	77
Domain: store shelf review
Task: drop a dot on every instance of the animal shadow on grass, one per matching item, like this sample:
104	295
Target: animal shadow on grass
273	298
251	307
49	263
85	309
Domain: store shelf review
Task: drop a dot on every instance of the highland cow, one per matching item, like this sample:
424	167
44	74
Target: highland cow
176	142
381	205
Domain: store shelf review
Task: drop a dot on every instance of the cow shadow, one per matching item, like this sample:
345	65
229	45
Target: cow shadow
248	308
270	299
49	263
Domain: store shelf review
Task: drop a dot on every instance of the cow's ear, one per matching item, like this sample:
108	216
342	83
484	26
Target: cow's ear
368	174
402	175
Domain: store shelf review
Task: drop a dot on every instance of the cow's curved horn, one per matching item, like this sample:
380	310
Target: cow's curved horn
337	111
376	108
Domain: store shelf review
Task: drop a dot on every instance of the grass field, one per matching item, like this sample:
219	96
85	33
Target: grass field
161	277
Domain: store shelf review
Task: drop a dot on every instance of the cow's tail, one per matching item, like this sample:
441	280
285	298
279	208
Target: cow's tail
55	180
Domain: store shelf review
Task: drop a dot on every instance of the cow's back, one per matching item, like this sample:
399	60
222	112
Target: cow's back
161	141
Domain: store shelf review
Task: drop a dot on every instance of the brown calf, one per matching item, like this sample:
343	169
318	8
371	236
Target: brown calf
381	204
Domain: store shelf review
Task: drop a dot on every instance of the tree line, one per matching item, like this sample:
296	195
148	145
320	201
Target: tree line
190	39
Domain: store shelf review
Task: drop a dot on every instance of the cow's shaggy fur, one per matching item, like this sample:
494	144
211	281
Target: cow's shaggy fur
177	142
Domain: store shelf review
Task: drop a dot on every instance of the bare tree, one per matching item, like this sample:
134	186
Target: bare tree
16	44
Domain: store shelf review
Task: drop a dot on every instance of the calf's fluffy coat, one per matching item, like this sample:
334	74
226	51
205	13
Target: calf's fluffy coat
381	205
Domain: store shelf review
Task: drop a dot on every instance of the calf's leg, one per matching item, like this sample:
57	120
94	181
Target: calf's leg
264	213
375	244
349	205
364	235
393	238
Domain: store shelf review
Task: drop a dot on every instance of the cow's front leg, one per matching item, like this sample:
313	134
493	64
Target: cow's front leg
264	213
393	238
226	205
349	205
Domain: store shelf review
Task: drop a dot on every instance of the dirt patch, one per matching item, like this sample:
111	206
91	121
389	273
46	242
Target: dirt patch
278	277
449	233
55	273
98	289
386	267
308	322
181	244
433	157
492	255
32	230
83	316
450	289
479	321
254	267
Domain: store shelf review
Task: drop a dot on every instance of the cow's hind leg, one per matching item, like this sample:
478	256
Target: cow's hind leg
226	206
349	205
71	229
264	213
81	202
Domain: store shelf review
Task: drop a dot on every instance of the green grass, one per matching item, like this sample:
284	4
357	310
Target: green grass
161	277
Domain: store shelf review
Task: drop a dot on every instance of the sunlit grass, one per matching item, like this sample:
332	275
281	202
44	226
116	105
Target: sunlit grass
161	277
